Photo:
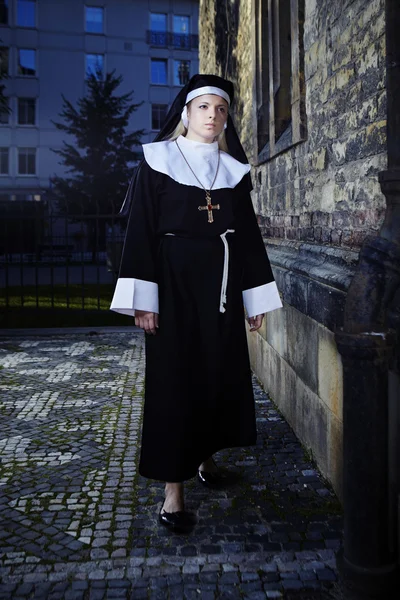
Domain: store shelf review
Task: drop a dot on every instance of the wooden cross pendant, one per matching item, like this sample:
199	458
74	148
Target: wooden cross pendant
209	207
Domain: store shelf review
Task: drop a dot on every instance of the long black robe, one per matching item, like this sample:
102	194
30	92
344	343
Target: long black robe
198	392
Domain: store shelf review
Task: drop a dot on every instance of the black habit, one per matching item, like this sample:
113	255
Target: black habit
198	389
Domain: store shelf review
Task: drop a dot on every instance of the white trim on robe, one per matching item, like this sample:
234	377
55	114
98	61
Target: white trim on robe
134	294
261	299
166	158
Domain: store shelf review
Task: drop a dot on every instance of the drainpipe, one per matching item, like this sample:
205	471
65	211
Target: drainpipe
369	561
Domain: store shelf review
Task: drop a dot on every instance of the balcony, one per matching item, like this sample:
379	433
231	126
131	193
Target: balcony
165	39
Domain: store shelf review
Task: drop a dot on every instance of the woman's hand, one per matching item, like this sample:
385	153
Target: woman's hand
255	322
147	321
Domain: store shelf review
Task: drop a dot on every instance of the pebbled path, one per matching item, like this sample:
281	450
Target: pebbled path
78	522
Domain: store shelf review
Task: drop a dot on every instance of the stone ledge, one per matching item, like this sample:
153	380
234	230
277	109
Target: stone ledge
313	278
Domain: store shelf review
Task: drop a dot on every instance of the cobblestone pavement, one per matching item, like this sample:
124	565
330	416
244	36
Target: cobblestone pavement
77	521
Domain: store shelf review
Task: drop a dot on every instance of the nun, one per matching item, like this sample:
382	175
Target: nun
193	260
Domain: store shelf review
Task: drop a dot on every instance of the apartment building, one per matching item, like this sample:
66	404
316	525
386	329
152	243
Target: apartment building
47	48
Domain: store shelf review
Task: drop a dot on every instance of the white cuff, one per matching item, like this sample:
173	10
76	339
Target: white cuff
134	294
261	299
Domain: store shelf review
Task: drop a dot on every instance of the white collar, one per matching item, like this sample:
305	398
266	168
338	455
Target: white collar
192	146
166	158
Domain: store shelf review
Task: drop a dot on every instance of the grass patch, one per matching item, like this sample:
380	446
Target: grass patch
74	296
60	306
27	318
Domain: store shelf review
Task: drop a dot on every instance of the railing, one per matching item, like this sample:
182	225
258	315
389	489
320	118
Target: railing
51	259
163	39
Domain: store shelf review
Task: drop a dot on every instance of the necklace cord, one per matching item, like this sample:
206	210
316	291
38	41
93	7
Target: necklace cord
216	172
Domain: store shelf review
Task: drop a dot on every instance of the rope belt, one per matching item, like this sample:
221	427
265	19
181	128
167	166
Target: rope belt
222	300
225	271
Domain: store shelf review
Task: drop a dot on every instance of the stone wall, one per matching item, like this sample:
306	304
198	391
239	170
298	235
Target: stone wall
324	190
333	196
226	49
316	201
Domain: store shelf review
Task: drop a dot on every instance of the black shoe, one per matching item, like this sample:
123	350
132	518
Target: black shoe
179	521
216	479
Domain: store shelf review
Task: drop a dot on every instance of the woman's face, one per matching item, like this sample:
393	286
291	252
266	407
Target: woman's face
207	116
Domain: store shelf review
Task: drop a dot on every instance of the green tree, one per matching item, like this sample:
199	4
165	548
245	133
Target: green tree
99	160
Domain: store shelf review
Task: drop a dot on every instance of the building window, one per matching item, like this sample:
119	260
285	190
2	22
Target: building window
4	111
26	161
26	197
280	91
181	72
181	32
95	65
26	13
157	36
158	114
94	19
159	71
158	22
26	62
22	197
4	12
181	24
4	152
4	54
26	111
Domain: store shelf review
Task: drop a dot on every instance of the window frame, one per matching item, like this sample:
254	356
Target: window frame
161	60
17	5
166	22
87	54
180	16
19	99
19	149
19	74
6	5
6	113
180	60
153	105
102	8
8	161
267	76
178	36
7	49
155	37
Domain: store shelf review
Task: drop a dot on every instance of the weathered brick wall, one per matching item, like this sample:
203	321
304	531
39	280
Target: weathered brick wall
316	201
225	31
325	190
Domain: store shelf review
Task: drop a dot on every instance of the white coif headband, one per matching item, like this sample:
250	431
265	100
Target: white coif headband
208	89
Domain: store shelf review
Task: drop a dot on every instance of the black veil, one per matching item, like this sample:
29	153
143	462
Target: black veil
174	116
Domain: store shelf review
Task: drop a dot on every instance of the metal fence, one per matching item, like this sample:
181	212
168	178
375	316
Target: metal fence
51	260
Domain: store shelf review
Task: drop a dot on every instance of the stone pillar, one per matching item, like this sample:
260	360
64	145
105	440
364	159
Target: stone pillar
369	560
368	344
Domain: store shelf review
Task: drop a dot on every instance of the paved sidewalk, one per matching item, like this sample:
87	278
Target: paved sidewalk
77	521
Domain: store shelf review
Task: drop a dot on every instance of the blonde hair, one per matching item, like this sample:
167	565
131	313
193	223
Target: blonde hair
180	129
